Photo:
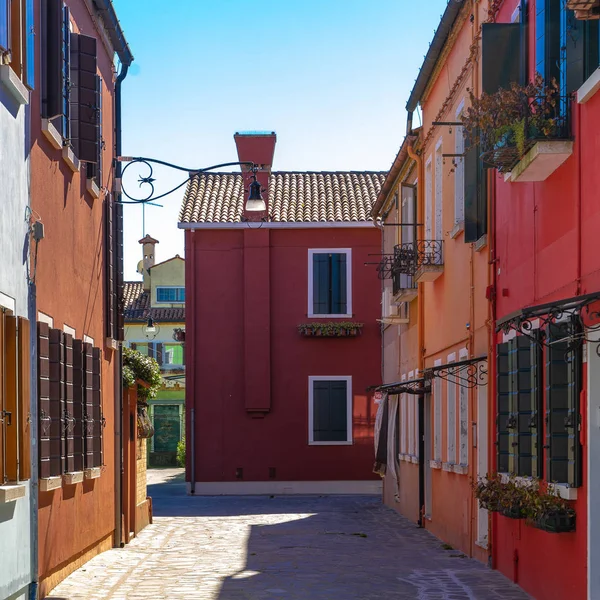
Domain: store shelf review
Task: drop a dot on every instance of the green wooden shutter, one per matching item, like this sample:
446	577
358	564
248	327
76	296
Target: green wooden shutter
501	48
527	406
338	284
563	385
472	161
321	427
321	284
330	411
502	409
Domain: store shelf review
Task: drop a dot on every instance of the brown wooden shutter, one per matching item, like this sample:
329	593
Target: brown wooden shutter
98	422
88	138
159	353
10	403
53	83
151	352
78	404
57	397
118	275
88	399
69	413
109	267
133	345
24	399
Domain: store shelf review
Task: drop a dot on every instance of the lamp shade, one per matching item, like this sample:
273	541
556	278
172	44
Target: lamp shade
255	200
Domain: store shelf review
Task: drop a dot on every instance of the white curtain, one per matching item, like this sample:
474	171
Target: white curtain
392	443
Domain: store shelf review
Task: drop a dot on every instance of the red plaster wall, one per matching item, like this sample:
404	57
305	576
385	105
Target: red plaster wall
70	288
538	243
227	437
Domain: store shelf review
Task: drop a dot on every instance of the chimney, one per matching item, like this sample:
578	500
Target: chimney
148	244
257	147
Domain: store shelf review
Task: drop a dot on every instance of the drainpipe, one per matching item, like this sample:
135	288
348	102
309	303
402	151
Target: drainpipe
119	352
421	334
578	131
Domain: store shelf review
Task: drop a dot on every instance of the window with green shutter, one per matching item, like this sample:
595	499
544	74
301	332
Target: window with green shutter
503	409
330	411
563	386
330	283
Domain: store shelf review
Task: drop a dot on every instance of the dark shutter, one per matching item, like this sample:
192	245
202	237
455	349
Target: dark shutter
85	132
4	24
592	47
109	267
133	345
119	318
159	354
338	284
321	283
29	44
547	38
501	48
526	390
57	388
69	412
97	416
503	409
78	404
329	411
88	405
475	195
54	80
563	385
94	170
151	352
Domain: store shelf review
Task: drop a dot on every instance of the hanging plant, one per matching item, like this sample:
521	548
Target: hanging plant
331	329
136	367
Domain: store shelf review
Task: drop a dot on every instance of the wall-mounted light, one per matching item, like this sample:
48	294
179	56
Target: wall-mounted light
255	200
151	329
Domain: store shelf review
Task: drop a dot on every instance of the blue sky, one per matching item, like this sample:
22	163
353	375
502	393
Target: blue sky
330	77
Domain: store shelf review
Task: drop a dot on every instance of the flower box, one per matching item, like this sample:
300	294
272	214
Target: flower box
512	512
559	522
331	329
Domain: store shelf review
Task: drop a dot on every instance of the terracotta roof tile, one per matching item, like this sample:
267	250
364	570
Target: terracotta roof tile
136	306
293	197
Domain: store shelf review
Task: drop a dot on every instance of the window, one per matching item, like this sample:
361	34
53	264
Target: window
428	199
438	192
17	38
170	294
459	170
15	461
451	418
463	415
70	400
330	282
403	424
437	417
330	410
173	354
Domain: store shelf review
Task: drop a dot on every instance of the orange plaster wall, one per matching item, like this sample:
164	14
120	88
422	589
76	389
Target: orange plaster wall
70	288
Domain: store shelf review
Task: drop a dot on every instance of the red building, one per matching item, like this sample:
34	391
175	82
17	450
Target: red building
272	407
546	211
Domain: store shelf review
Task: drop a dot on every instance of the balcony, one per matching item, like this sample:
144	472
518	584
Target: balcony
538	142
417	262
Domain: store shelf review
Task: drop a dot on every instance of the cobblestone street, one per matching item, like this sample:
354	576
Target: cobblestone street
255	548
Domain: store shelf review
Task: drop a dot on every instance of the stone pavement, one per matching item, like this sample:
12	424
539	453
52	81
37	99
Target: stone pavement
262	548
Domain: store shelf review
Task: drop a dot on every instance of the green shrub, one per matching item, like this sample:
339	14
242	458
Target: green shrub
181	453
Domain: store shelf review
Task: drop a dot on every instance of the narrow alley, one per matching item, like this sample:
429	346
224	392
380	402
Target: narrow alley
260	547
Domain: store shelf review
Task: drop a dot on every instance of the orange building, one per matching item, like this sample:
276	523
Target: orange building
435	271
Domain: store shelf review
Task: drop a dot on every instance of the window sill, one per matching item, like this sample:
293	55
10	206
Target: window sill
111	343
70	158
461	469
457	229
435	464
73	478
47	484
541	161
312	316
589	87
481	243
482	544
92	473
330	443
564	491
92	187
11	493
14	85
51	134
414	460
448	467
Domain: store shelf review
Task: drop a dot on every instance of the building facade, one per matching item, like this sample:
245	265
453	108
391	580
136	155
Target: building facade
546	290
282	339
76	266
17	495
155	326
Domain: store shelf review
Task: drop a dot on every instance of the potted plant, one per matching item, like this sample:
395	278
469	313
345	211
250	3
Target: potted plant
488	490
549	512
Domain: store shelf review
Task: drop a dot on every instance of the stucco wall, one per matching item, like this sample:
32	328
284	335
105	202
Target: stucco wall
169	273
15	546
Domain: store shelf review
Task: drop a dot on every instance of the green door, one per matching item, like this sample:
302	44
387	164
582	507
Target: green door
167	427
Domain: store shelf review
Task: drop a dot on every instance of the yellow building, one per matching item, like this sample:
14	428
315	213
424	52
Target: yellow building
154	323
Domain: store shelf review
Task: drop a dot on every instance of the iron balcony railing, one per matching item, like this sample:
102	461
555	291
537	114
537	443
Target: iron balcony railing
410	257
541	119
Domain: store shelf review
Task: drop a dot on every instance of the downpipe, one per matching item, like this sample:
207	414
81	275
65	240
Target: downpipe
193	452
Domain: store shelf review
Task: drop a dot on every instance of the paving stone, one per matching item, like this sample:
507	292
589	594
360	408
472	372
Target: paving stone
291	548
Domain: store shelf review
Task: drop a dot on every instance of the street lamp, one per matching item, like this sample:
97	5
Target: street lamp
151	329
255	201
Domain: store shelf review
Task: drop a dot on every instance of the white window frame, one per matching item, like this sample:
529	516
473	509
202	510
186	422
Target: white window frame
165	287
439	196
348	253
411	420
311	434
428	197
404	423
459	169
451	416
463	418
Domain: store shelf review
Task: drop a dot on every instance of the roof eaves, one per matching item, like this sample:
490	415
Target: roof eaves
113	28
440	36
